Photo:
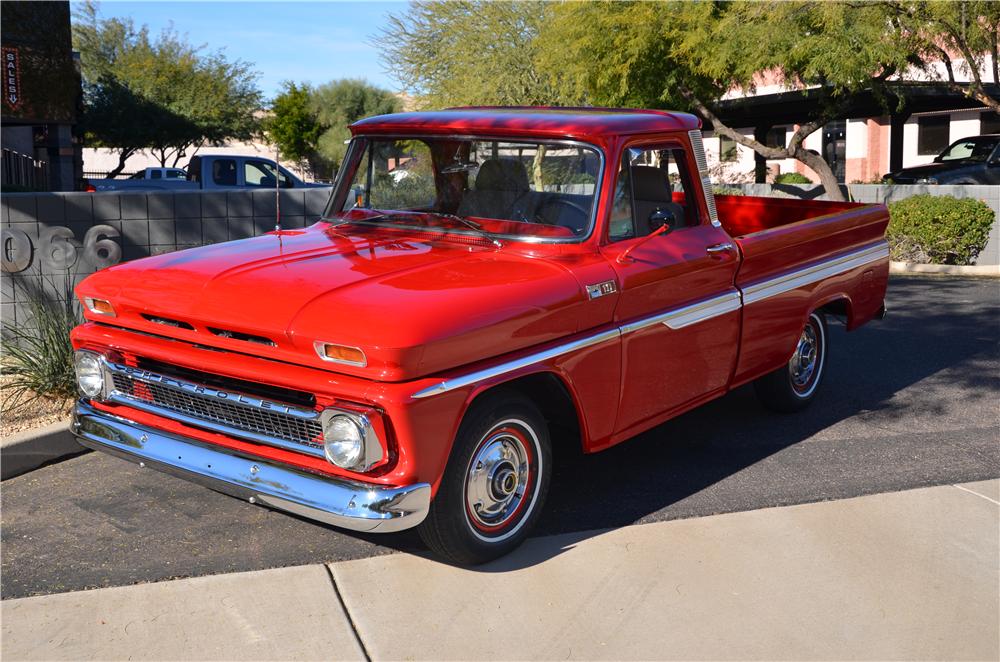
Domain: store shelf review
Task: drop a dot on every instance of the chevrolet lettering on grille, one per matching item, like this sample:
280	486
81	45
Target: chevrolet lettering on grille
229	412
147	376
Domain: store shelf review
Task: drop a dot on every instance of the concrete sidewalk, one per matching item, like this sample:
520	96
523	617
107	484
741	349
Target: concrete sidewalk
903	575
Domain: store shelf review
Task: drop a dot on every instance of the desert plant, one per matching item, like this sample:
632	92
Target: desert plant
37	355
792	178
938	229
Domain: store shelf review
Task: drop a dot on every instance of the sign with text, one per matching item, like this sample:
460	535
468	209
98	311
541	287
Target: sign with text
12	77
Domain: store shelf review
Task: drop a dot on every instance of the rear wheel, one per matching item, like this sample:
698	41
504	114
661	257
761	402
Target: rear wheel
495	483
792	387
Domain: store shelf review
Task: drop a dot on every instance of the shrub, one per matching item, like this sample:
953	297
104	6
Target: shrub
37	356
938	229
792	178
726	190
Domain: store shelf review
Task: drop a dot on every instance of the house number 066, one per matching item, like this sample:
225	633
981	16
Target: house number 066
59	249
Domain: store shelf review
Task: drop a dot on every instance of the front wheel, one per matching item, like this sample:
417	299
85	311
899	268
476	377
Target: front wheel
495	482
791	387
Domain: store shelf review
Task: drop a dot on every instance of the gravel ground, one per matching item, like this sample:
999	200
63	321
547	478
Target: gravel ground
30	414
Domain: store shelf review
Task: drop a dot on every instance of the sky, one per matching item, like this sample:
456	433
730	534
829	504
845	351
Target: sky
312	42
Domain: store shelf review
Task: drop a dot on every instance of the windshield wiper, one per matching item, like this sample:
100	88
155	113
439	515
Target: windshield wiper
380	215
470	224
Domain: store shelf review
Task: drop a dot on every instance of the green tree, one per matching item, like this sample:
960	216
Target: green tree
684	55
469	52
689	55
338	104
170	96
969	30
292	124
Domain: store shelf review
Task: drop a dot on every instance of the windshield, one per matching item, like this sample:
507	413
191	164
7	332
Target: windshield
499	188
970	149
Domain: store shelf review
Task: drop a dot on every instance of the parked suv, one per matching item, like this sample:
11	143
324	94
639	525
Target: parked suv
974	160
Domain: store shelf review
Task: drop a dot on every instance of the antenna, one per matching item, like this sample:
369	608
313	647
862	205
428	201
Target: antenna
277	188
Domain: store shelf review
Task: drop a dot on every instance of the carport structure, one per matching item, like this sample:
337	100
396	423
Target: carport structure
892	108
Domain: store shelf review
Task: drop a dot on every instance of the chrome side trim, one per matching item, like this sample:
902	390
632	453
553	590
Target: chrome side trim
679	318
675	319
337	501
786	283
517	364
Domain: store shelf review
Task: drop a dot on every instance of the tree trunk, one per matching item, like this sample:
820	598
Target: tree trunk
123	156
536	168
794	150
826	176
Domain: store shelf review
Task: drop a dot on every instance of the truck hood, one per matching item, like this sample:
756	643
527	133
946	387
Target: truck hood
415	303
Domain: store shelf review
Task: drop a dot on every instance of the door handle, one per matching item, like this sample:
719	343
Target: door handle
717	249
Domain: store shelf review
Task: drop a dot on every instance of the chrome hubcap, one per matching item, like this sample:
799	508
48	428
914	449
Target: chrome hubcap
804	360
498	475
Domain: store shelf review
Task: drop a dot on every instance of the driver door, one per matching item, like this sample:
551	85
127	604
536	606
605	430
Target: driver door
678	307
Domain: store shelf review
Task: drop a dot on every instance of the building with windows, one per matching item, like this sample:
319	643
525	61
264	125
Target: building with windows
41	97
863	147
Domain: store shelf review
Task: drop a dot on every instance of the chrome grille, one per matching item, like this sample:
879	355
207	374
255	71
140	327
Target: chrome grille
298	429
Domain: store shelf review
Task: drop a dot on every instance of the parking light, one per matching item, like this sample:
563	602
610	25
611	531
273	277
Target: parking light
340	354
99	306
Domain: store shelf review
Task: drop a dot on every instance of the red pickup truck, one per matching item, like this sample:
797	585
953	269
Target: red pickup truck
485	282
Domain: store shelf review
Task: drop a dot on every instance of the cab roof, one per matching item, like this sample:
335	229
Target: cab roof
543	122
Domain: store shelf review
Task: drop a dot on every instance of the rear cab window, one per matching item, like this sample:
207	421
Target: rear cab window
224	172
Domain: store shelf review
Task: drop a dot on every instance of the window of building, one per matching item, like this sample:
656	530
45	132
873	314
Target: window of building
777	137
932	134
727	150
989	122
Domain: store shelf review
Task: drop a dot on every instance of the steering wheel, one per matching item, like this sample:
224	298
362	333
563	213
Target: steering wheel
540	217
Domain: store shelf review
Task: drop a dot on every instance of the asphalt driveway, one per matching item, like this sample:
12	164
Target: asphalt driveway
911	401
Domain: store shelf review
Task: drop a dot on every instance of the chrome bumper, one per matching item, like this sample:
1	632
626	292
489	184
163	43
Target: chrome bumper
340	502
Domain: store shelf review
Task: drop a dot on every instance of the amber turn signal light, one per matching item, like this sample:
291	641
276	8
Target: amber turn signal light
99	306
340	354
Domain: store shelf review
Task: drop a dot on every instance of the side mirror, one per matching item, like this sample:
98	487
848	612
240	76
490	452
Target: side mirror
662	230
661	217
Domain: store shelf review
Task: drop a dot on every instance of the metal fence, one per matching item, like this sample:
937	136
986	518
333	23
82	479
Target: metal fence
103	174
24	171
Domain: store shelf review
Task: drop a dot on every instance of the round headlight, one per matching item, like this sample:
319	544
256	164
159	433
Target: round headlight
343	441
89	374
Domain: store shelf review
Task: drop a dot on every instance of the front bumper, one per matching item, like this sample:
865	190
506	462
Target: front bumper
340	502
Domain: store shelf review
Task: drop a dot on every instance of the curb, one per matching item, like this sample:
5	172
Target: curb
982	270
29	450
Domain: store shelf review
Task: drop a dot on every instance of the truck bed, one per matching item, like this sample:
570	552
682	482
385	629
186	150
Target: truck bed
799	255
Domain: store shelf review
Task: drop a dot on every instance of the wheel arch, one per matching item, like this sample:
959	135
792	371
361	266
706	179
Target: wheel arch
836	305
553	396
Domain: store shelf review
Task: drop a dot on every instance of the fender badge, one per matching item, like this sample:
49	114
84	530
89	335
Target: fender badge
599	290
